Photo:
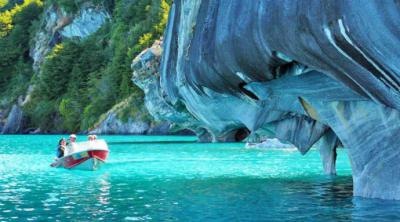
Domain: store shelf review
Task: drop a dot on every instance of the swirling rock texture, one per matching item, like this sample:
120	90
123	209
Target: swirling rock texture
302	71
166	120
147	77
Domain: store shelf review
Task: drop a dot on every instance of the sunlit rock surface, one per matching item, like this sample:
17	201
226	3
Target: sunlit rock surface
301	71
86	22
115	122
58	24
113	125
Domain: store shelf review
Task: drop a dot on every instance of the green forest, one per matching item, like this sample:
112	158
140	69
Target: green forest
80	79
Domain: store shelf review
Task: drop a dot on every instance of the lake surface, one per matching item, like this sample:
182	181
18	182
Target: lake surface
179	182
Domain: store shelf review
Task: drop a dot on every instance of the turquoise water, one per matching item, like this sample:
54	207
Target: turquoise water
178	182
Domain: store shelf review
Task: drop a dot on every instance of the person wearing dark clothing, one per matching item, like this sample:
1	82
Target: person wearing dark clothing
61	147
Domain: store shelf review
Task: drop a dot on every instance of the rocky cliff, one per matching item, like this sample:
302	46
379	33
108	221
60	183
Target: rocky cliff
56	25
146	76
302	71
118	121
65	65
165	120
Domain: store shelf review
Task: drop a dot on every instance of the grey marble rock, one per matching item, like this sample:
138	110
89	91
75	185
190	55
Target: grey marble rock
14	122
301	71
146	76
327	148
88	20
58	25
113	125
117	121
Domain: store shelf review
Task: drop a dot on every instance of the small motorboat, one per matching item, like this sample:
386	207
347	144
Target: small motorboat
89	155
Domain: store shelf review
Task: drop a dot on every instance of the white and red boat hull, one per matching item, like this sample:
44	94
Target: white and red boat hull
86	160
89	158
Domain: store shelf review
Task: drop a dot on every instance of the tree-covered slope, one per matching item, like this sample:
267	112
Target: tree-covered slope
65	63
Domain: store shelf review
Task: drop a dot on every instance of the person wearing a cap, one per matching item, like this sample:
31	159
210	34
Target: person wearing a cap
70	144
72	138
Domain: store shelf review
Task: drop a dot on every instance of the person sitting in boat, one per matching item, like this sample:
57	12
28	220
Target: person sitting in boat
62	143
70	145
72	139
92	137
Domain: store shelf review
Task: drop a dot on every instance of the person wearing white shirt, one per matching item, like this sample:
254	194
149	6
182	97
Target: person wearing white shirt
70	146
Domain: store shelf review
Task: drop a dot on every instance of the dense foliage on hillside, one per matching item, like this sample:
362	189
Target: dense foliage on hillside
17	26
80	79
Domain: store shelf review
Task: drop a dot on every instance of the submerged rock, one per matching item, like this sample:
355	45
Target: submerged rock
301	71
270	144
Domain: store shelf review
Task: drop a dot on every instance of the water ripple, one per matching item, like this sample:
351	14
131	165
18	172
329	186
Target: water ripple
179	182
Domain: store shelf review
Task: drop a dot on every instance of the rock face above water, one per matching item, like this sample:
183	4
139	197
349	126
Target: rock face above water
301	71
147	77
15	119
112	122
58	24
113	125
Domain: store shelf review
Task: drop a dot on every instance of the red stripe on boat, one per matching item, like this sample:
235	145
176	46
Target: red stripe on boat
70	161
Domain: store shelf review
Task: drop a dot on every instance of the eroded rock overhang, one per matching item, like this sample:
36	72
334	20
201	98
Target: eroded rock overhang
303	71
